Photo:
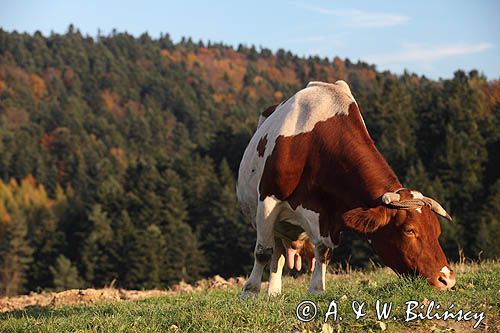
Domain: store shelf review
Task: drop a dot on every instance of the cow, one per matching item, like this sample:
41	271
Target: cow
312	166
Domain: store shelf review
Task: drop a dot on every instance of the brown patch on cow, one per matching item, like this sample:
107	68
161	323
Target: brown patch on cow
269	111
261	147
331	169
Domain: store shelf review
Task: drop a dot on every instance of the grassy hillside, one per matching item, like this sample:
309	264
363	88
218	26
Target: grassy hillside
477	290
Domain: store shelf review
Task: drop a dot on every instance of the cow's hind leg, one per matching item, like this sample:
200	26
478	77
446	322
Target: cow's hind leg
322	255
276	268
267	212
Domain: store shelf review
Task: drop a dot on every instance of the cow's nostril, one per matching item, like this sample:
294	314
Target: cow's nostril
443	280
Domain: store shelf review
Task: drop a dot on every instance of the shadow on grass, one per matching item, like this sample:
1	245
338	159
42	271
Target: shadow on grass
51	312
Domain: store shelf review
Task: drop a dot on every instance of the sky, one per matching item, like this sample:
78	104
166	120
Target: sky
431	38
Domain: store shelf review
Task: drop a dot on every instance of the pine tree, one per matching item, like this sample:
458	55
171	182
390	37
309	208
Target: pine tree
227	240
152	245
65	275
15	252
183	258
16	256
488	237
125	252
462	154
96	249
390	120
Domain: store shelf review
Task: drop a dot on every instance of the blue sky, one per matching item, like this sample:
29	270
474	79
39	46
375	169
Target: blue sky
432	38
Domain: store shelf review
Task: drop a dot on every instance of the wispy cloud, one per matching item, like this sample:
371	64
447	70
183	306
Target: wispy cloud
332	39
360	18
427	55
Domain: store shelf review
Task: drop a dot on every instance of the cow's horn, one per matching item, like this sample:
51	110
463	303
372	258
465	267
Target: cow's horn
437	208
389	197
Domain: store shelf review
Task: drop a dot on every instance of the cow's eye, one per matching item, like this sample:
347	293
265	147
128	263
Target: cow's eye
410	232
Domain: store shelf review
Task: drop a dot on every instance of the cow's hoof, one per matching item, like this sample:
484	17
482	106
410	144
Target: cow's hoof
246	294
315	291
273	292
249	290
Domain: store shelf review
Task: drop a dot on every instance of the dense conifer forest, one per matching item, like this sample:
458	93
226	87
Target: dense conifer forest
119	154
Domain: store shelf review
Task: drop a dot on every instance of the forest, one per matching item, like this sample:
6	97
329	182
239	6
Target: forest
119	154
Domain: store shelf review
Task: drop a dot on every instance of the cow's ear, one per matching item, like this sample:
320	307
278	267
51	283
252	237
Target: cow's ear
366	220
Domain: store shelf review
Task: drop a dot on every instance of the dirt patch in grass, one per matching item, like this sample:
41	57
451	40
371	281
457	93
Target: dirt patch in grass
91	296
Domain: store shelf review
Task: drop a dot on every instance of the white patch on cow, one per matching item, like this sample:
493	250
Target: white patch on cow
319	101
417	195
309	221
303	217
419	210
261	120
446	271
277	261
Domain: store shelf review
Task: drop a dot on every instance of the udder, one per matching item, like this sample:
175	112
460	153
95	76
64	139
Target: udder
298	248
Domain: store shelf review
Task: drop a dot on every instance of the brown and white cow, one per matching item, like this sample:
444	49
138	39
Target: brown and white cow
311	164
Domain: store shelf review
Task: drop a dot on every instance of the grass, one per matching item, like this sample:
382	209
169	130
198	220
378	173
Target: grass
478	290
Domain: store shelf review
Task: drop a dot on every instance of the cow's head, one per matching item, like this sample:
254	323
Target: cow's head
404	232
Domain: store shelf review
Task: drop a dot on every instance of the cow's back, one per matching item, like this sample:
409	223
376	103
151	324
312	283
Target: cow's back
299	114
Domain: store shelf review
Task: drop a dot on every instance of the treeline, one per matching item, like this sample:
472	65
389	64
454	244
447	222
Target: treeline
119	154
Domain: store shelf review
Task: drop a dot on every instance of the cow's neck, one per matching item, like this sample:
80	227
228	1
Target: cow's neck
373	177
363	175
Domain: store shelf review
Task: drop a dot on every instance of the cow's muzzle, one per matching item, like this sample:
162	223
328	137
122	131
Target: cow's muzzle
445	279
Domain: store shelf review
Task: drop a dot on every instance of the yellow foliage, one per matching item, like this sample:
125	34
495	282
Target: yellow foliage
119	156
165	53
217	97
37	86
172	56
4	214
110	101
289	76
26	195
263	65
273	73
278	96
133	106
337	62
191	60
3	85
60	196
230	100
251	92
225	72
108	98
494	92
258	79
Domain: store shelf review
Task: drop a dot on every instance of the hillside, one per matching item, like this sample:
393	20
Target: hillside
215	306
119	155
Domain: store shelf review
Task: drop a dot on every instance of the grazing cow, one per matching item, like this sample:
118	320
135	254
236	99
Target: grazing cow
312	166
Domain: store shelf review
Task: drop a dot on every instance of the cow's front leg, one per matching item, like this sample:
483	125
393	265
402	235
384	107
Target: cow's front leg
322	255
267	212
276	268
